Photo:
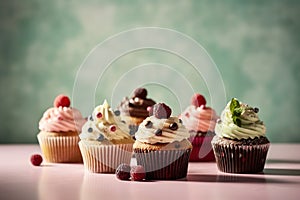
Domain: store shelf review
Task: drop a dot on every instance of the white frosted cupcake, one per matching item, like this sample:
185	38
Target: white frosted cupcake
105	141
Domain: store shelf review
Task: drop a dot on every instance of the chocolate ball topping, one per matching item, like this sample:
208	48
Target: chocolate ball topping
173	126
140	92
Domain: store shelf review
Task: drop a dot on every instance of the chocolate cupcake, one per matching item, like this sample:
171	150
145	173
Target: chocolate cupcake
162	145
240	144
134	110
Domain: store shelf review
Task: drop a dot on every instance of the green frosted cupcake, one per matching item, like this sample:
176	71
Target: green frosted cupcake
240	144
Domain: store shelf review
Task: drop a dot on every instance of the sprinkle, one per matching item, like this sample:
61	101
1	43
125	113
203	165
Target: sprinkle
158	132
99	115
91	118
219	121
90	130
117	112
180	121
256	110
112	128
148	124
100	138
173	126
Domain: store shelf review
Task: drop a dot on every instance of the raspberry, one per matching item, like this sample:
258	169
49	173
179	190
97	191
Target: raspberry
161	111
123	172
62	100
140	92
198	100
137	173
36	159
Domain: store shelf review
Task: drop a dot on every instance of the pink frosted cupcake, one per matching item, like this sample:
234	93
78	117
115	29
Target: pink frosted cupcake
59	130
200	120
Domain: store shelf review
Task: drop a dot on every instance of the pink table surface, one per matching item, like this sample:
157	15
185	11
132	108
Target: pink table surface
20	180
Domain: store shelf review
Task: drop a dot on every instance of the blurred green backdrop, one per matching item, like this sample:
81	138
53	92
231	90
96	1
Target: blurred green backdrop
255	44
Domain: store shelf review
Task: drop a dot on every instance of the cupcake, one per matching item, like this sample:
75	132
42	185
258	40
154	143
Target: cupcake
200	120
105	142
162	145
240	144
59	130
135	110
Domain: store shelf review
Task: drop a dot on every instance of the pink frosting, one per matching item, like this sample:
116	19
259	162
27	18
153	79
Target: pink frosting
199	119
61	119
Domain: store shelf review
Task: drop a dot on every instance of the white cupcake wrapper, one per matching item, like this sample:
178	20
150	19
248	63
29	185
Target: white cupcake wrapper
105	158
60	149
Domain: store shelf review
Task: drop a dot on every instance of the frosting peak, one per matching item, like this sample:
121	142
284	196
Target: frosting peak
104	125
240	121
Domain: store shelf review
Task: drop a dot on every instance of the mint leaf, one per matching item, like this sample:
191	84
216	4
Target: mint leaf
236	111
234	104
237	121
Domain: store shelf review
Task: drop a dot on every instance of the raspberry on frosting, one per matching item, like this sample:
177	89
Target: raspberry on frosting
62	100
161	111
140	92
198	100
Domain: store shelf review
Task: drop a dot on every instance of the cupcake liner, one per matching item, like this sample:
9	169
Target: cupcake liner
202	149
60	149
240	158
163	164
105	158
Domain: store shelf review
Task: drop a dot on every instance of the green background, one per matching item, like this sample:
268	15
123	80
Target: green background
255	44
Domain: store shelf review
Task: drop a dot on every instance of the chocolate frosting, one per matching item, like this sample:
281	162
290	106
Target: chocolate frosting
137	105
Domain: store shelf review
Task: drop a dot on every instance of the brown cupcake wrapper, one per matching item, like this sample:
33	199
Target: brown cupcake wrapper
60	149
163	164
240	158
105	158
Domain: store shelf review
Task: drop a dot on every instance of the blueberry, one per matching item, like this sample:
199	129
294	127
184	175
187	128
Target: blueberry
117	112
158	132
148	124
100	138
173	126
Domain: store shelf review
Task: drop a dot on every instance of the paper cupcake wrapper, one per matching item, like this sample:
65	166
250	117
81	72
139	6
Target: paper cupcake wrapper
240	158
202	149
60	149
163	164
105	158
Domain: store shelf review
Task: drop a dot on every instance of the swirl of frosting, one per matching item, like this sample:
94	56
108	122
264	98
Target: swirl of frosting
250	127
61	119
137	105
104	125
153	130
199	118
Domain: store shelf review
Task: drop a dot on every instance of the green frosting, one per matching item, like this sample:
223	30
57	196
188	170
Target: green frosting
239	121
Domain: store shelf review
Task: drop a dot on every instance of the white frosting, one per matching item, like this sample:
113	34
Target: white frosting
147	135
100	127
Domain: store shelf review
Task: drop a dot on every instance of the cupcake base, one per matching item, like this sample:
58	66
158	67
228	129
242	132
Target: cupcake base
104	158
60	147
163	161
202	150
240	156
